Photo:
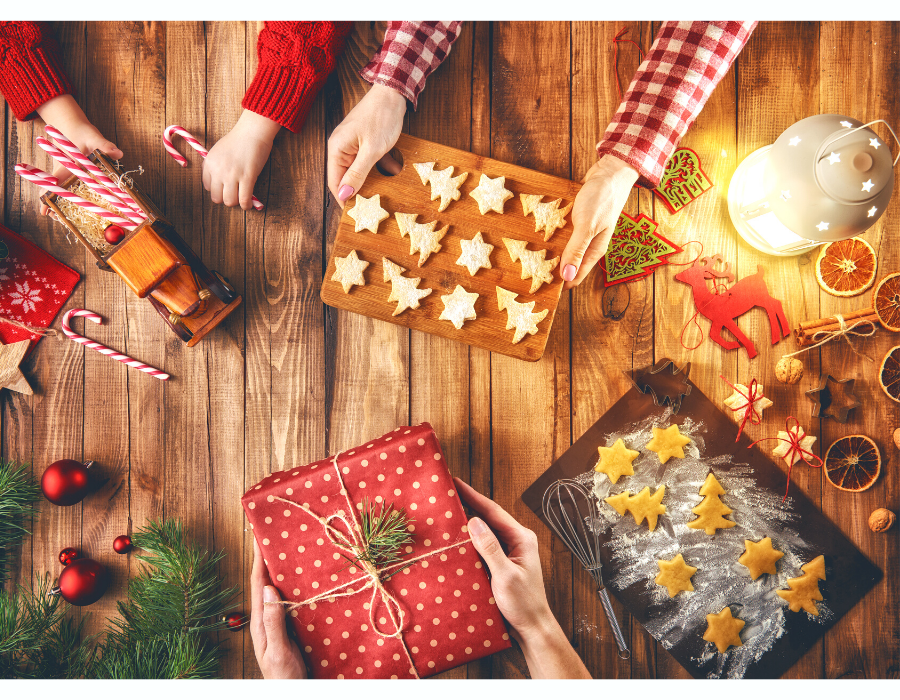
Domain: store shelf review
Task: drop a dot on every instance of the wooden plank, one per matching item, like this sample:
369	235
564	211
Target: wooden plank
530	125
858	63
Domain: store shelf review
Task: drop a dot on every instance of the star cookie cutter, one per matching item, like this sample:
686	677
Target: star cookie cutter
823	398
666	387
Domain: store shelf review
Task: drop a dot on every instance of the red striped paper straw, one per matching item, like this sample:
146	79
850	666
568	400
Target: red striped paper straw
197	146
99	176
99	347
48	182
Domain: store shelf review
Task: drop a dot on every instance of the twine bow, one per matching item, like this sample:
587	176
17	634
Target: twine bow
41	332
844	332
352	543
751	415
794	436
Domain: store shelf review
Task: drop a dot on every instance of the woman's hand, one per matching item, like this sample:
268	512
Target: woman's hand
236	160
363	139
597	207
277	655
518	587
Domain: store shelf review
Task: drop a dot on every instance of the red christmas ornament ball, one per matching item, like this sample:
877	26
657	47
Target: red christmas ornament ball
66	482
114	234
234	620
68	555
83	582
122	544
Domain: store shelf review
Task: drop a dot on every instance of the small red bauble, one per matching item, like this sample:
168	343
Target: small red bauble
234	620
122	544
66	482
114	234
68	555
82	582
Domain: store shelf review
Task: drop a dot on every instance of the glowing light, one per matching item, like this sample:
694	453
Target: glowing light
868	185
874	143
872	211
822	226
794	141
834	158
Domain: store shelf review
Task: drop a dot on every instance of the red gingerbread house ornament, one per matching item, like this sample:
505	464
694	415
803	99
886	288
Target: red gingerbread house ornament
683	180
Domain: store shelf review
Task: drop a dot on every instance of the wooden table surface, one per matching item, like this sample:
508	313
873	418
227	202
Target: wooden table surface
287	380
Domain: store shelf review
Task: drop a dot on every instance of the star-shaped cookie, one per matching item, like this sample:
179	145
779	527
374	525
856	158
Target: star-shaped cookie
403	289
491	194
760	557
367	213
475	254
668	443
642	505
784	448
722	630
349	271
675	575
423	239
534	264
443	184
616	461
518	315
11	376
739	400
459	307
547	215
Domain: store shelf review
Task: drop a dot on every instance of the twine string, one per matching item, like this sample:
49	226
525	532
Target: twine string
793	439
43	332
751	415
844	332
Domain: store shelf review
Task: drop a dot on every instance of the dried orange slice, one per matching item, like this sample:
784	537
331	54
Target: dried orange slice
889	374
846	268
886	301
852	463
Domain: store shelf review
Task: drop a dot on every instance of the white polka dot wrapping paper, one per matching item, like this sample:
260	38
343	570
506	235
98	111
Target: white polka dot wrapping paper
444	605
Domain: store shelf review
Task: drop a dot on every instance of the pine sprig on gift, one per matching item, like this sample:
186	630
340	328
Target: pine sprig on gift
18	494
383	533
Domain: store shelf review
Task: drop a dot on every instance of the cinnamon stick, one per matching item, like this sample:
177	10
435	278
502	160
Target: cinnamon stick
831	320
809	335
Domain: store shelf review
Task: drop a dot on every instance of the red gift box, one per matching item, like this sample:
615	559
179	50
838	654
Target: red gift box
429	613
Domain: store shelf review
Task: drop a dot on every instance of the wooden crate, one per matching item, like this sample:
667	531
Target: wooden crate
406	193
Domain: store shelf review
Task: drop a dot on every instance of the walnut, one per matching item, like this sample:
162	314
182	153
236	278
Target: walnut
789	370
881	520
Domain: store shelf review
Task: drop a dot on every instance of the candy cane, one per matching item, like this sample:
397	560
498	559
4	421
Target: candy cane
196	145
88	343
95	171
48	182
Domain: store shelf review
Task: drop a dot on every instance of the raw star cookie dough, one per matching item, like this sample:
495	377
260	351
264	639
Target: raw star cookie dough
668	443
760	557
723	630
616	461
675	575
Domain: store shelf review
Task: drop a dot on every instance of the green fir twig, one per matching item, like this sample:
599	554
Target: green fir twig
18	494
384	533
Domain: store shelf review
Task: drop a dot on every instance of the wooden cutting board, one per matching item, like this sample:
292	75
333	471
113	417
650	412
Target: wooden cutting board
406	193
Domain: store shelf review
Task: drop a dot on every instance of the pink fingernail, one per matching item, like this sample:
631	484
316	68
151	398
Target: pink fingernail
345	192
569	272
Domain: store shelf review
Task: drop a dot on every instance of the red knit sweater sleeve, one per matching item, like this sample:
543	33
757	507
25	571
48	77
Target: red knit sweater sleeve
295	59
31	70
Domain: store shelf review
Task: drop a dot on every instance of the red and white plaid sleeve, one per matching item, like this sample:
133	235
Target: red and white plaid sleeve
684	65
410	53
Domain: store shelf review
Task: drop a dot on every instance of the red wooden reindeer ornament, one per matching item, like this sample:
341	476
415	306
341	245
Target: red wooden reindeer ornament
723	308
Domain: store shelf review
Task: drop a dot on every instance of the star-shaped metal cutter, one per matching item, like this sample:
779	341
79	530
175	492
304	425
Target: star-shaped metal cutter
823	398
666	382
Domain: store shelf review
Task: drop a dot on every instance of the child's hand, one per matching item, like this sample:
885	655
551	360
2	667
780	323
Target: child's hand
597	207
233	164
363	139
277	655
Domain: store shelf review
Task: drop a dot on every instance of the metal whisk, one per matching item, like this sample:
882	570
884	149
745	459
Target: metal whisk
572	511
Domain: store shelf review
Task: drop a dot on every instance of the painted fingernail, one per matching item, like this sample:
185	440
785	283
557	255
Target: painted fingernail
270	595
569	272
345	192
477	527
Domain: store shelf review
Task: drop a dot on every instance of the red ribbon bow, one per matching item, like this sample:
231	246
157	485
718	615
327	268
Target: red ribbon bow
793	439
749	409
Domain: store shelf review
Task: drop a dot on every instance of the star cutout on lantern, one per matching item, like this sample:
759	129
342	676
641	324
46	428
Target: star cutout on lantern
11	376
822	226
760	557
519	316
785	194
491	194
423	239
834	158
616	461
675	575
874	143
794	141
872	211
367	213
722	630
403	289
475	254
846	124
785	444
868	185
459	307
534	264
349	271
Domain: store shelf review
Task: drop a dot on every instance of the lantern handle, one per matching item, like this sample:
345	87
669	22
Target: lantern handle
876	121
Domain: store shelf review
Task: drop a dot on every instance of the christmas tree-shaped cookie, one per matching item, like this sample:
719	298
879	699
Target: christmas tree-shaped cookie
805	589
534	263
547	215
404	290
443	184
519	316
711	511
642	505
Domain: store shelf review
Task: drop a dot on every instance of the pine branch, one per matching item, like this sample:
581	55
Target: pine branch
383	534
18	494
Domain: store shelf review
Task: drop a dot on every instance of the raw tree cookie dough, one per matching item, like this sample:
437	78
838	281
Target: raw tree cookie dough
367	213
533	262
459	307
616	461
349	271
711	510
805	589
668	443
403	289
475	254
675	575
722	630
642	505
518	315
423	239
491	194
547	215
760	557
443	184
